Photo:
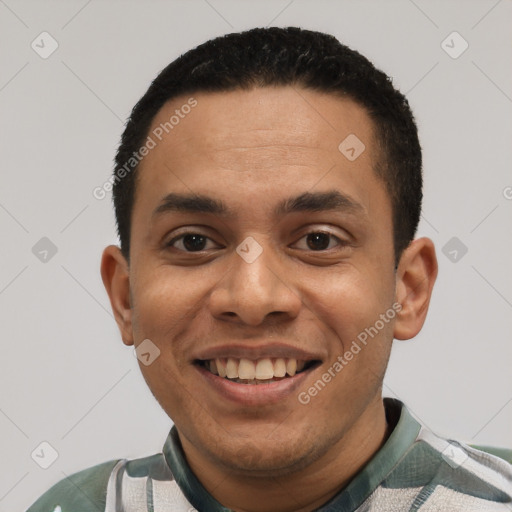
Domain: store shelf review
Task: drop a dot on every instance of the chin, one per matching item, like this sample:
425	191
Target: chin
270	457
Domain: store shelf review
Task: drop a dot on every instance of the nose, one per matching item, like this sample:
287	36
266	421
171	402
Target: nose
252	291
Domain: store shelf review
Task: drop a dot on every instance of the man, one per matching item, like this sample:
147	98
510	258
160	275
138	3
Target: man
267	192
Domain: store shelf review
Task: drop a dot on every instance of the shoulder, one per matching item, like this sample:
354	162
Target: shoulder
84	491
502	453
445	474
466	475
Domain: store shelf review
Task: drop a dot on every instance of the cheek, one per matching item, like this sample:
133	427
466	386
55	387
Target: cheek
165	301
165	305
348	309
349	312
168	306
350	302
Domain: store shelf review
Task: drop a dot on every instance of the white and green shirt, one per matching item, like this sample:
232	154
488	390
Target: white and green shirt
415	470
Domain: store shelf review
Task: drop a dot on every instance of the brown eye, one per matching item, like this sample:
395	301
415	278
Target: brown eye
318	241
194	242
191	242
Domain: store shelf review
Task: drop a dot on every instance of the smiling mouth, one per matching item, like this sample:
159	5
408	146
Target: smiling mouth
260	371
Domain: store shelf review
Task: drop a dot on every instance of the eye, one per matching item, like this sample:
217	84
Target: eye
191	242
319	241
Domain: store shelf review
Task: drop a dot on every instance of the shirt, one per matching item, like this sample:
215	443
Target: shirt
414	470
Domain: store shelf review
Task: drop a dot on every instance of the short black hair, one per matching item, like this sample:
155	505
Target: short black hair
265	57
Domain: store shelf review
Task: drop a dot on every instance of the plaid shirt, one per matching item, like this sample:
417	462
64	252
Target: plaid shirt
415	470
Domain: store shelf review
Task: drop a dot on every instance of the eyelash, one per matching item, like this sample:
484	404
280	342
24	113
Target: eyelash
340	243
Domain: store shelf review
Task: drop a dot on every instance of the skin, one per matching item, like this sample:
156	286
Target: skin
252	149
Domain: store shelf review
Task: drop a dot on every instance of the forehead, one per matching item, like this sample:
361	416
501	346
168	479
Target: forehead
287	115
259	141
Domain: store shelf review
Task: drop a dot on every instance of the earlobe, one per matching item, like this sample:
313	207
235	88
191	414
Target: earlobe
116	279
415	278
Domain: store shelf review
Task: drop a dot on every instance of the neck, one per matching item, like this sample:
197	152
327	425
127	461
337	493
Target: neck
303	490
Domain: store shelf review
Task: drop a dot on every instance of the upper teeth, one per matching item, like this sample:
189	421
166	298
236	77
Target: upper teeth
262	369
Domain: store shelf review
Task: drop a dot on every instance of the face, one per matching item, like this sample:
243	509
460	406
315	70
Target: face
260	250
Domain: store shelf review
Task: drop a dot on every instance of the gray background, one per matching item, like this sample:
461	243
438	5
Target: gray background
65	376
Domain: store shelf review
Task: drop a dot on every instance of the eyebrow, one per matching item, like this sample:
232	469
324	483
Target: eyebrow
319	202
306	202
192	203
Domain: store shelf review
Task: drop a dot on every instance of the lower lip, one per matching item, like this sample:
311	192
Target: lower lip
254	394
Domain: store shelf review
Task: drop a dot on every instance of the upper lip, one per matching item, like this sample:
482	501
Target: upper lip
254	352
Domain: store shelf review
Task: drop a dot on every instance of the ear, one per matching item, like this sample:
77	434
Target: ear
116	279
415	278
